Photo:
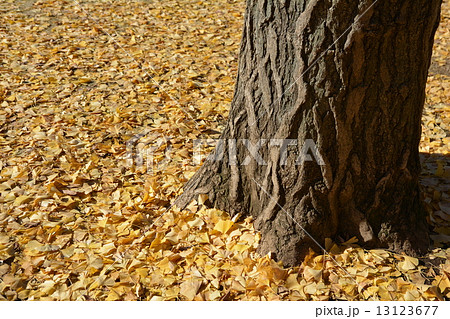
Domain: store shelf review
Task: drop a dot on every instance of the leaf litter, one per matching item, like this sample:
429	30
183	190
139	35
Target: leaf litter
78	80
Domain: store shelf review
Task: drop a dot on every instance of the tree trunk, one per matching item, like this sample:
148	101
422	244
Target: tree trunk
349	76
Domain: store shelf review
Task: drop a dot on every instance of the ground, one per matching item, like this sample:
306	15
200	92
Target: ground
81	220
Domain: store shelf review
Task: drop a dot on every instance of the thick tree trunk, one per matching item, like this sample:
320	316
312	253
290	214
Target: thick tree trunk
350	76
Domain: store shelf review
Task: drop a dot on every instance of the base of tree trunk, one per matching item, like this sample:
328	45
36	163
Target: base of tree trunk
291	230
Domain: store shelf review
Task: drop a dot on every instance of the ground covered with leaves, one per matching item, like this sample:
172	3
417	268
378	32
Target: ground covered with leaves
79	80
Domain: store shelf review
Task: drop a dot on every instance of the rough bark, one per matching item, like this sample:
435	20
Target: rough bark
351	77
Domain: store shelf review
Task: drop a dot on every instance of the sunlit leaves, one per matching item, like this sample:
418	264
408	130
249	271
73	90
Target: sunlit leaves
76	223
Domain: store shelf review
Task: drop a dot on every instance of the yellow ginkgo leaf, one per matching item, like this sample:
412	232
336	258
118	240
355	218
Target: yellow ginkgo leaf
190	288
223	226
408	264
240	247
292	282
444	283
315	273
